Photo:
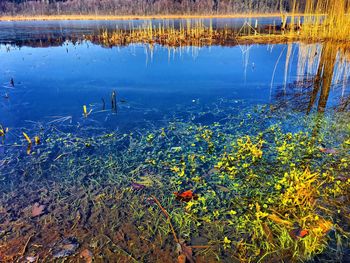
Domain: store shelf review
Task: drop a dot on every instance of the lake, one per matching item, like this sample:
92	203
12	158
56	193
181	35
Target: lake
244	149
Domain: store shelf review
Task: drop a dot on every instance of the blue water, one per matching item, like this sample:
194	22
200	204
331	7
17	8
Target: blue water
55	78
56	82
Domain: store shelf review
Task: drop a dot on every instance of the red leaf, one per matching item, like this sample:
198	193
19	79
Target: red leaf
303	233
298	233
37	209
186	196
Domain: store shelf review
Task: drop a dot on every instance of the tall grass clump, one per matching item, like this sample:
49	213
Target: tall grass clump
188	33
327	20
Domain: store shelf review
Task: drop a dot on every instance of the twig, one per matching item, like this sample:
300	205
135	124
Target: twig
61	155
26	245
168	218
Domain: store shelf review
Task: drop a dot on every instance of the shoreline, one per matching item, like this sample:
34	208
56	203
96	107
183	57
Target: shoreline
138	17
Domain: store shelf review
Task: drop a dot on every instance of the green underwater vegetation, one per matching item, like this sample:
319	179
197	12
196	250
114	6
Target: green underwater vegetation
270	186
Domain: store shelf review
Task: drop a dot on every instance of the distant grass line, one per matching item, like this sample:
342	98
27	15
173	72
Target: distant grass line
196	33
139	17
188	33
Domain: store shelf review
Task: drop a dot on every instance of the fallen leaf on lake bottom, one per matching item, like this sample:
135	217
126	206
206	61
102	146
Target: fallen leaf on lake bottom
298	233
181	258
37	209
186	196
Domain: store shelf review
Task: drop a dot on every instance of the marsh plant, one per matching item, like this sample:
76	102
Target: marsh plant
264	192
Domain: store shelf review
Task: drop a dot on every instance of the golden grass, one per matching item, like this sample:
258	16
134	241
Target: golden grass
323	21
188	34
191	33
335	26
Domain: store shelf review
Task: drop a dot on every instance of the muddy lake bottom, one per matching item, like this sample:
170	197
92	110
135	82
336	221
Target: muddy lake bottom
159	154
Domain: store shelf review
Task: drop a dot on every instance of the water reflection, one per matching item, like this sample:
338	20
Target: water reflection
322	77
173	33
302	76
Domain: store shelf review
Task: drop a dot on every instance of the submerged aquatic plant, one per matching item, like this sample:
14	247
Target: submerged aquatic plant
3	132
263	191
85	112
27	138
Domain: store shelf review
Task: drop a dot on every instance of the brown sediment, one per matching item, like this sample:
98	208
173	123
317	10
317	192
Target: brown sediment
105	229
